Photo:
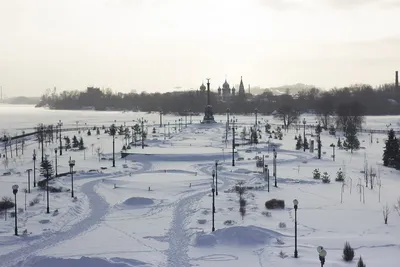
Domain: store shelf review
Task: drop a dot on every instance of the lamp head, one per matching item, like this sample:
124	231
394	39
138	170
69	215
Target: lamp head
323	253
319	249
304	121
295	202
15	189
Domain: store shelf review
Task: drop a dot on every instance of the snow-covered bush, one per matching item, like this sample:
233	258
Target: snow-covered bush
275	204
339	176
325	178
316	174
348	252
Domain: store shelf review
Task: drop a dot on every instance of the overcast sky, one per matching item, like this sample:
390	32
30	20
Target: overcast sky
158	45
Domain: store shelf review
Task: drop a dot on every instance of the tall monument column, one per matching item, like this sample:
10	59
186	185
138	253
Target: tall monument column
397	81
208	113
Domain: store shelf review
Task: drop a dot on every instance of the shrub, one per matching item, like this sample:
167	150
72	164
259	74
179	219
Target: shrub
34	201
340	176
325	178
348	252
282	225
229	222
266	213
316	174
360	263
282	254
201	221
275	204
6	203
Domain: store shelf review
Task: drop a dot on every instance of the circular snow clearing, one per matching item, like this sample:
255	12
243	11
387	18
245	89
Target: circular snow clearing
138	201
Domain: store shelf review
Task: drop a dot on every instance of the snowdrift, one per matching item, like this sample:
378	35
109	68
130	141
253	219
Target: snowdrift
82	262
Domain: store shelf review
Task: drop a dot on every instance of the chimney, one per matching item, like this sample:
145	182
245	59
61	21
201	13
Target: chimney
397	80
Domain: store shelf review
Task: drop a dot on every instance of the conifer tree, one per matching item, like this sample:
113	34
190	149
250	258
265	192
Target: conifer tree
299	143
352	143
305	143
81	144
46	168
339	143
391	151
361	263
75	142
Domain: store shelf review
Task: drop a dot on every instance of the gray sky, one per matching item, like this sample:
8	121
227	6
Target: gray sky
156	45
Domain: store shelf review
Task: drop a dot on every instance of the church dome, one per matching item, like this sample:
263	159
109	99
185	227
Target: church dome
225	85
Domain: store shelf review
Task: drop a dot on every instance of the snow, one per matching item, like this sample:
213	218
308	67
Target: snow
156	210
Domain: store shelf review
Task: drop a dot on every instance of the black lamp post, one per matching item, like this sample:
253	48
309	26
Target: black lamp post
322	254
161	113
213	206
274	161
60	124
29	180
216	177
42	140
142	121
186	113
304	134
333	151
47	186
233	140
55	153
295	203
34	167
256	112
15	191
71	170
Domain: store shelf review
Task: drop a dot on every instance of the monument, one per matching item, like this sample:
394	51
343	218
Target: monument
208	113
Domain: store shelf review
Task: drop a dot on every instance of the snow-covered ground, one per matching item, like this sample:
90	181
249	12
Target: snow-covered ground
155	207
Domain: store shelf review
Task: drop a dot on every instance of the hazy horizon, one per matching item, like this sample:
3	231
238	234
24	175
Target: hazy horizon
155	45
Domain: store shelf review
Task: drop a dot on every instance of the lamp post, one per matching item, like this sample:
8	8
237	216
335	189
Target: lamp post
256	112
227	124
213	180
304	134
333	151
274	161
55	153
47	186
190	116
161	113
216	177
42	140
71	170
15	191
213	207
29	180
295	203
34	167
60	124
322	254
233	141
266	173
186	113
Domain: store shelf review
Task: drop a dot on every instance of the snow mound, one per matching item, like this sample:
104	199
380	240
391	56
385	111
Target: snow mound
82	262
237	235
138	201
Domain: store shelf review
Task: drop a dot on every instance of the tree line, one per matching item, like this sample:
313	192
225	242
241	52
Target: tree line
382	100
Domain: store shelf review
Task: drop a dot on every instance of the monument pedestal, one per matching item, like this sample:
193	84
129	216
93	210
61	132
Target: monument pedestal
208	115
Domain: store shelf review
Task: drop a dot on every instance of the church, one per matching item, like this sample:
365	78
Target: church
226	93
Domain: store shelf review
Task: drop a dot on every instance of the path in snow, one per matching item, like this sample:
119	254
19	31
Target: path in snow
99	208
179	235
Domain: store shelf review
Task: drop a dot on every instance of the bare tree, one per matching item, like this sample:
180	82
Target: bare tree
288	115
397	206
99	152
386	211
372	176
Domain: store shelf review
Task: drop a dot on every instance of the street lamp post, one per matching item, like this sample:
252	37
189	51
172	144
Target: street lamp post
322	254
233	141
71	170
34	167
333	151
266	173
55	153
29	180
15	191
60	124
161	113
227	124
274	161
216	177
304	134
190	116
42	140
256	113
47	187
295	203
213	207
186	113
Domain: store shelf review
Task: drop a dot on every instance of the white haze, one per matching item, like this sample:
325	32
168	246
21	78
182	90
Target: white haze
156	45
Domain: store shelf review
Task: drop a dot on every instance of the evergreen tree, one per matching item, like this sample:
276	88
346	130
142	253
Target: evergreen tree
75	142
316	174
325	178
46	168
339	143
391	151
67	143
340	176
154	130
81	144
348	252
89	133
305	143
361	263
352	142
299	143
98	131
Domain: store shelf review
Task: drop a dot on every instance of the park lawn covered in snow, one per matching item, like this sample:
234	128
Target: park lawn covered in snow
156	209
